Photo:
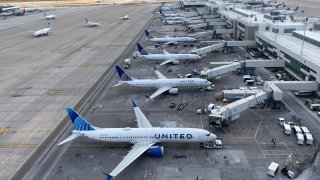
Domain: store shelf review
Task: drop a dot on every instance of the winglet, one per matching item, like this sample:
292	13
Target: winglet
134	103
109	177
154	68
86	19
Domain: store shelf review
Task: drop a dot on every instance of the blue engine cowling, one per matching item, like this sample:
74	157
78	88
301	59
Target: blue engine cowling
155	151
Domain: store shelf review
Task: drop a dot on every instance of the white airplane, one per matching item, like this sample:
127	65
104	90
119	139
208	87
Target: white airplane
290	11
171	18
169	40
174	22
125	17
143	138
167	57
170	14
42	32
51	16
162	84
92	24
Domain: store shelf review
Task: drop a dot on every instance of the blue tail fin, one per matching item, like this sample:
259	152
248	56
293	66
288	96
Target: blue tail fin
148	35
44	13
123	75
79	123
86	19
48	24
141	50
108	177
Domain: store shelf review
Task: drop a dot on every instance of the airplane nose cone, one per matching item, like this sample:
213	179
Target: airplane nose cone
213	136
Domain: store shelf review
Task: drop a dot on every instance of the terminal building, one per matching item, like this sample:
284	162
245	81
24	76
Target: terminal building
300	50
278	36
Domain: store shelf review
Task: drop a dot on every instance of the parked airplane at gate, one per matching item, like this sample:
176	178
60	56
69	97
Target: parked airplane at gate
125	17
167	57
51	16
290	11
92	24
42	32
162	84
143	138
169	40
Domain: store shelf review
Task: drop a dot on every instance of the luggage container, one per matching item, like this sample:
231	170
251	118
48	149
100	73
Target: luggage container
305	129
281	121
273	168
309	138
297	129
300	138
287	129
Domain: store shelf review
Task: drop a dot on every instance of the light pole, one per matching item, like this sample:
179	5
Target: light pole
304	35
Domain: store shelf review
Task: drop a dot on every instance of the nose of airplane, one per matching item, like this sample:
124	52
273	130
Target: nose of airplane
214	136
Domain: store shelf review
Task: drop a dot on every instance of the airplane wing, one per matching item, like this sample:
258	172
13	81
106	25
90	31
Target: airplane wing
160	91
160	76
141	119
169	43
166	62
165	52
133	154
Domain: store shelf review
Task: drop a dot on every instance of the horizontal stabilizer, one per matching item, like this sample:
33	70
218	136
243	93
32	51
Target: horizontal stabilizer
118	84
73	136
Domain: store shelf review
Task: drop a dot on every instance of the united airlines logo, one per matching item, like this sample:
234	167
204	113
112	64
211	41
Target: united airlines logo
81	125
173	136
125	77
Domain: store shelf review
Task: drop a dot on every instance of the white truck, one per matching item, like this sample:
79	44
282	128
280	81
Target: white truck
300	138
281	121
287	129
273	168
215	144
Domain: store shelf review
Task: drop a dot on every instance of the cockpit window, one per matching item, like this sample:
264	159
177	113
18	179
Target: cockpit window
208	134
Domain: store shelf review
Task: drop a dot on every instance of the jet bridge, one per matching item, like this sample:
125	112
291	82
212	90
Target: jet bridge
224	31
207	49
232	66
203	34
226	114
198	26
276	87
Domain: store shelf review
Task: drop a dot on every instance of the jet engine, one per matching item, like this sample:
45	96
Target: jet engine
155	151
173	91
175	62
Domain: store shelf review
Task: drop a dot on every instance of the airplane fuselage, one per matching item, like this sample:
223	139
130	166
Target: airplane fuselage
171	57
93	24
134	135
42	32
174	22
173	39
176	82
50	17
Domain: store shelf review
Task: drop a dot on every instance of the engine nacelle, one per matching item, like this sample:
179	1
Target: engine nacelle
175	62
155	151
173	91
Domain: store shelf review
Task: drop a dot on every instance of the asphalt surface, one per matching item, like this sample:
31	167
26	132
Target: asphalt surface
41	76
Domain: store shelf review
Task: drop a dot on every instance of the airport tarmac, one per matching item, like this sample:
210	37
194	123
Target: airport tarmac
247	148
42	76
